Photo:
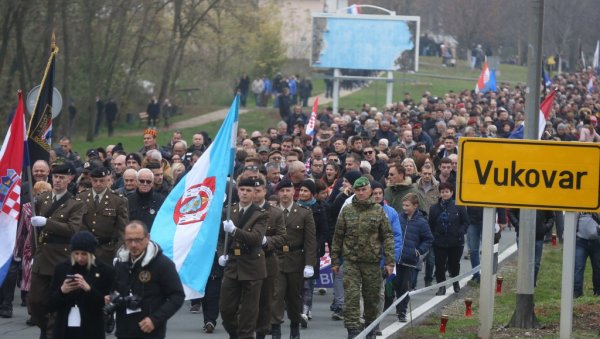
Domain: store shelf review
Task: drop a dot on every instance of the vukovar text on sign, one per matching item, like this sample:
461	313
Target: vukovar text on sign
529	174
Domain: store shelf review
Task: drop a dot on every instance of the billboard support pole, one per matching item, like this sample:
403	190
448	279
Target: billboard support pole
336	89
568	273
390	88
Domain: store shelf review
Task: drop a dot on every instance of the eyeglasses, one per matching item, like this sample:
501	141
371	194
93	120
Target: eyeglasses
251	168
368	152
145	182
134	240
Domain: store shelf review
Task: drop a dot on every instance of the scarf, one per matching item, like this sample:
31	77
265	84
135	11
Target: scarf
307	203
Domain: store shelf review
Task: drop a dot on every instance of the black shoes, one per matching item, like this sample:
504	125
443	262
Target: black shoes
456	286
352	333
441	291
209	327
402	317
294	331
275	331
6	313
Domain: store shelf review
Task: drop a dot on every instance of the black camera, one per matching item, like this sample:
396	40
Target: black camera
117	301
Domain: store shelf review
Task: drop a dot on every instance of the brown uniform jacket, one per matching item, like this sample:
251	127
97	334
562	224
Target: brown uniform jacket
106	221
276	238
301	247
54	239
246	256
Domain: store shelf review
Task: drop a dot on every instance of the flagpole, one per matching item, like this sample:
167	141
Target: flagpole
231	168
30	183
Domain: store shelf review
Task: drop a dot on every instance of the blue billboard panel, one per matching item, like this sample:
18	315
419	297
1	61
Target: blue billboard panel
358	42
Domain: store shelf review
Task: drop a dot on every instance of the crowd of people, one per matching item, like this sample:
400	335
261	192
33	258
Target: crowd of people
374	187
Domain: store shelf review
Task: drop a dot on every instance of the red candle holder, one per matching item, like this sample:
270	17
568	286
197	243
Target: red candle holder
443	322
468	303
499	280
554	239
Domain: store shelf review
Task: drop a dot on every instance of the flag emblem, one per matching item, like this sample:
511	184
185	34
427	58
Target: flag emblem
191	207
10	192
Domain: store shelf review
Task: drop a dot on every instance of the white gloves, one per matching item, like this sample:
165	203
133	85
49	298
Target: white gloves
228	226
264	241
308	271
38	221
223	260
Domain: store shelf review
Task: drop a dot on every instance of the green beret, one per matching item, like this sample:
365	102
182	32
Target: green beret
360	182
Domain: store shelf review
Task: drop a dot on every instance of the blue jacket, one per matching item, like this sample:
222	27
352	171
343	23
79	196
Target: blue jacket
417	238
392	216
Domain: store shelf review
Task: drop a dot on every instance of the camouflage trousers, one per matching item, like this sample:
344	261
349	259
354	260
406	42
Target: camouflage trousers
361	279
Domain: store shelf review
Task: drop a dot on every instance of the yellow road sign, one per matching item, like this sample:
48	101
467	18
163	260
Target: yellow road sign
529	174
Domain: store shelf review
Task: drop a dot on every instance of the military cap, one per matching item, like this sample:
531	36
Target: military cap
63	167
259	182
360	182
99	172
248	182
153	165
284	183
263	149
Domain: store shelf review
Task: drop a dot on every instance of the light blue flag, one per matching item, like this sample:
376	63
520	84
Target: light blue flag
187	225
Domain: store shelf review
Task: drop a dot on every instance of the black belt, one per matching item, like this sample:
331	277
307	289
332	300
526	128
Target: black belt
55	239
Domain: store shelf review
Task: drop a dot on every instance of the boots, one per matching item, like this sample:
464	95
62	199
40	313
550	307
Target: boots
352	333
456	286
276	331
441	291
294	331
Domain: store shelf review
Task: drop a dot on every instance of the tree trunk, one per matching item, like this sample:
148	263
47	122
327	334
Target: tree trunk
90	66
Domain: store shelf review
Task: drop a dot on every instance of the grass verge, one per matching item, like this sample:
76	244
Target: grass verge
586	310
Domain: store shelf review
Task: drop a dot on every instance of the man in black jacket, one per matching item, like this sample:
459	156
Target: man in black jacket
148	285
144	203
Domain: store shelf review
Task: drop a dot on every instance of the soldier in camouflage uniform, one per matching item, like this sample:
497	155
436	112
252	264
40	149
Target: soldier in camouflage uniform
362	220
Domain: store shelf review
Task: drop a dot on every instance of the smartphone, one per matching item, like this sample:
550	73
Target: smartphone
70	277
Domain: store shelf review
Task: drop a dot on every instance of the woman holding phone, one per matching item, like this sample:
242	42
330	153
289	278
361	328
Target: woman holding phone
78	289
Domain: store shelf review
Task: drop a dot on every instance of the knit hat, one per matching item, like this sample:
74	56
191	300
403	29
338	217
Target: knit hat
376	184
151	131
84	241
352	176
312	187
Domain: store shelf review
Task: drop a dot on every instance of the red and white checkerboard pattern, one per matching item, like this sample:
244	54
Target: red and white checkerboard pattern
11	204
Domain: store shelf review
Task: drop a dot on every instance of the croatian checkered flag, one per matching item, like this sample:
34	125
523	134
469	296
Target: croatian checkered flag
11	166
310	129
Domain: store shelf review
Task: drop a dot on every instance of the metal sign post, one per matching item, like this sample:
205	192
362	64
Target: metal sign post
486	288
568	275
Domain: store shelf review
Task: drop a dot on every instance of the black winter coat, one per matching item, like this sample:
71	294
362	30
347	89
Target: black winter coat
100	278
448	223
155	281
144	206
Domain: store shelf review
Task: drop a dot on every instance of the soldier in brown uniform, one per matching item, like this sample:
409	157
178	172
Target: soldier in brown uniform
296	260
245	266
274	238
105	214
58	217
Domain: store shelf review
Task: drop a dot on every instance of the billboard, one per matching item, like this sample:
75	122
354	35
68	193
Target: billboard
366	42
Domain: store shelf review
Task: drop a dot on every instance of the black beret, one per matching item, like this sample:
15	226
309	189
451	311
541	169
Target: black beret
118	147
134	156
284	183
247	182
84	241
99	172
259	182
63	168
312	187
92	153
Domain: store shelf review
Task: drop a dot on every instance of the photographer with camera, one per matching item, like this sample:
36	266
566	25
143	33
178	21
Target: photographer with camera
148	290
78	289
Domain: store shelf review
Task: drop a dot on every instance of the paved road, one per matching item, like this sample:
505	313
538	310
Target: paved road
185	325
